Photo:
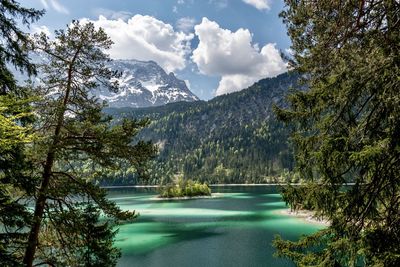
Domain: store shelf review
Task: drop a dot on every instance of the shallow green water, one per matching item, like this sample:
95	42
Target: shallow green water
234	229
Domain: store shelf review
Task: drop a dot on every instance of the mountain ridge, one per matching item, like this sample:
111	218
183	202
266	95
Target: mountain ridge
144	84
233	138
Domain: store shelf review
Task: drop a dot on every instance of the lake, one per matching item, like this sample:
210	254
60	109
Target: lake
234	229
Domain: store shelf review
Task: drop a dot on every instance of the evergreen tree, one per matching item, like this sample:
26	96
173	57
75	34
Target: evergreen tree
14	42
75	143
98	247
14	216
347	128
15	117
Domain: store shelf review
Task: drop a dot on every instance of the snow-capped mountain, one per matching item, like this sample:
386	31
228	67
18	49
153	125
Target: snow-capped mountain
144	84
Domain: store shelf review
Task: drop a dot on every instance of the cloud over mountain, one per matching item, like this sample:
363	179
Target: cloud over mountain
231	55
234	57
145	38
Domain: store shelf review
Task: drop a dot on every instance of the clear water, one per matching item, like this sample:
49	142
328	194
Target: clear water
234	229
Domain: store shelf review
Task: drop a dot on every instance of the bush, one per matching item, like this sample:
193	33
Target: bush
185	188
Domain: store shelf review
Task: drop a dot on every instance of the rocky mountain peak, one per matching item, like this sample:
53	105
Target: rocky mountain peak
144	84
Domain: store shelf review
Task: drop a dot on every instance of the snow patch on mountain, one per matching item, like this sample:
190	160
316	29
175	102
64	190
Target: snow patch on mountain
144	84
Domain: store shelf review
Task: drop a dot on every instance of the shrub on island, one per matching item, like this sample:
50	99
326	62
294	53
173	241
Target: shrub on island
185	188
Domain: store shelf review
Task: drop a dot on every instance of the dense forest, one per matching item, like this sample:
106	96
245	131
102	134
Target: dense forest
232	138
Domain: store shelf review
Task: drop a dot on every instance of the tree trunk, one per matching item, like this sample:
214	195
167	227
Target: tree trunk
33	239
39	210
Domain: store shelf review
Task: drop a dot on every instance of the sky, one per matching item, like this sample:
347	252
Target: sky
216	46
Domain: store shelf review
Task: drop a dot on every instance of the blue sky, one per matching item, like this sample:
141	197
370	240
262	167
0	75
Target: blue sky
217	46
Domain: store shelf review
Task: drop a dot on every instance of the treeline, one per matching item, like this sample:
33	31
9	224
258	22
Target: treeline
233	138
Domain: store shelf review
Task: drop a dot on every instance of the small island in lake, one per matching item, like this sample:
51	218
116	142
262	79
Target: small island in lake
184	188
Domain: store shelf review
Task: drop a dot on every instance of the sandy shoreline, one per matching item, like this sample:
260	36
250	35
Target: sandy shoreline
305	215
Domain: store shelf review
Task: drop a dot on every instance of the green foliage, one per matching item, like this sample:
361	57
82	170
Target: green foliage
233	138
91	245
75	144
347	128
15	131
297	198
14	110
14	42
185	188
98	247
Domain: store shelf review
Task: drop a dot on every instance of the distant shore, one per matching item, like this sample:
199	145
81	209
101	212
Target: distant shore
215	185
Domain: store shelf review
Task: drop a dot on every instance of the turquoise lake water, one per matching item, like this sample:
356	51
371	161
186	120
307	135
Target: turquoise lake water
235	228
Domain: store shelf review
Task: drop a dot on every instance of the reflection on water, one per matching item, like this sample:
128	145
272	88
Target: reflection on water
234	229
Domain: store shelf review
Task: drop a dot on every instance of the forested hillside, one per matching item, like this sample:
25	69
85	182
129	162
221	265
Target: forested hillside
232	138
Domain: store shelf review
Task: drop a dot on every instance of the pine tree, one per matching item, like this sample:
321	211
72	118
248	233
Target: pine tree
14	180
14	42
15	119
347	128
76	142
98	240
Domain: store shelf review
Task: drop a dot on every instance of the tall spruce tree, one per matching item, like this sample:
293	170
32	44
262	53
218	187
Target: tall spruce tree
347	129
15	117
75	143
15	132
13	41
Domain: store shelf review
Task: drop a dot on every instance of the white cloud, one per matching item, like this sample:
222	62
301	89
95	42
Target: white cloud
39	29
234	57
112	14
259	4
54	4
147	38
181	2
236	82
175	9
185	24
188	84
